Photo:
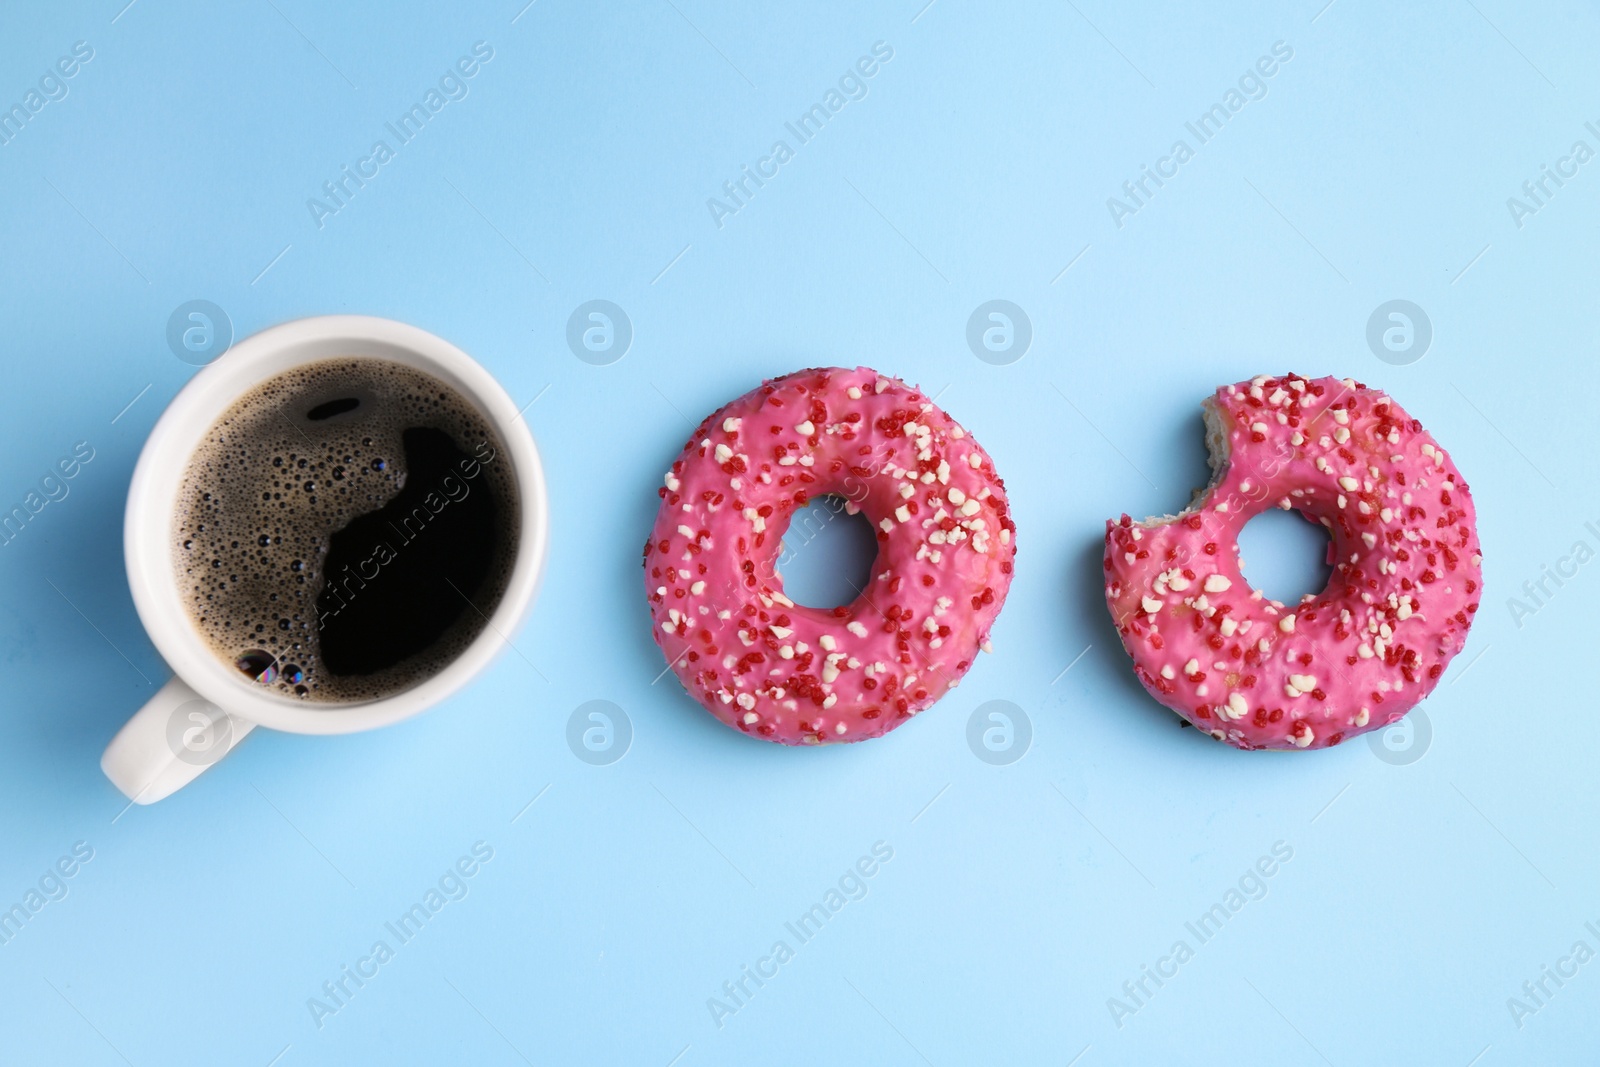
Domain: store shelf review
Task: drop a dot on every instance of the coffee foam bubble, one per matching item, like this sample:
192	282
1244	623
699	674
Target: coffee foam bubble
277	475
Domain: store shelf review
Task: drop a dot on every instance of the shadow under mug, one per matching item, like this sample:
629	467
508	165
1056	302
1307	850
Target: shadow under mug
209	706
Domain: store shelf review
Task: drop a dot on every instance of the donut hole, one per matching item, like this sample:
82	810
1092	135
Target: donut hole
1285	555
826	557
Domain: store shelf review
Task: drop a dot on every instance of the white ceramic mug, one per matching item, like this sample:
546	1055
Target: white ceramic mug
209	706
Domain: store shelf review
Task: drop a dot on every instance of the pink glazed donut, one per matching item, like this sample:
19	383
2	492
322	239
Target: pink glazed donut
1356	657
799	675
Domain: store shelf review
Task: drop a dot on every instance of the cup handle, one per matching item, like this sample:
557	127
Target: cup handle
169	742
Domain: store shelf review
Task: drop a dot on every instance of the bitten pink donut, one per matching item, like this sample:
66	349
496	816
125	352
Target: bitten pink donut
1359	655
798	675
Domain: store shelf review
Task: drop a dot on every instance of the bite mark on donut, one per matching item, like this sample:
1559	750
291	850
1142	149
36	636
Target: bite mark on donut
1218	453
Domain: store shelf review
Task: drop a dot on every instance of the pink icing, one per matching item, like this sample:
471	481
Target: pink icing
800	675
1406	575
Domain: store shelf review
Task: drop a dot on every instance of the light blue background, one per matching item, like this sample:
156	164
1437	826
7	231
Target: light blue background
1419	897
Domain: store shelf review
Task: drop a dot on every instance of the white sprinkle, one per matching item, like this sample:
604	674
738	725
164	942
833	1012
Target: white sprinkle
780	632
856	628
1286	624
1150	604
805	429
1217	584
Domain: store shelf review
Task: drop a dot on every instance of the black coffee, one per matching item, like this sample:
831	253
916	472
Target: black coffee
344	530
